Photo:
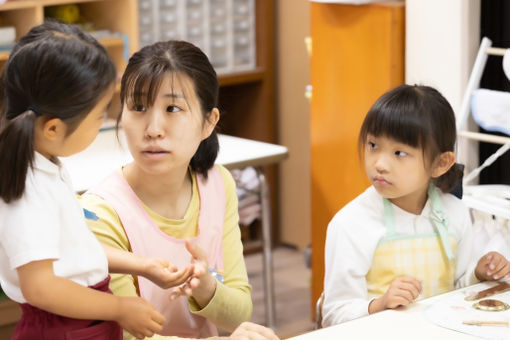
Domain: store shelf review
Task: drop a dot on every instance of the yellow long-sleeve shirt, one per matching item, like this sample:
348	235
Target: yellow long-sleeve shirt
231	304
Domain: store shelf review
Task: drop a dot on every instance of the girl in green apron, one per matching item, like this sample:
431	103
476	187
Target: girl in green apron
405	237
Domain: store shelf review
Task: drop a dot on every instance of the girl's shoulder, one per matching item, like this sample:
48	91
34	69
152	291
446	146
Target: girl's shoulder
455	208
365	210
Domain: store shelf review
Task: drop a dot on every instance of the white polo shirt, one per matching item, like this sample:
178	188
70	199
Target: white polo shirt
47	222
353	236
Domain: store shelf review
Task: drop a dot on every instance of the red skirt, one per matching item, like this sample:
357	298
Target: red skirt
36	324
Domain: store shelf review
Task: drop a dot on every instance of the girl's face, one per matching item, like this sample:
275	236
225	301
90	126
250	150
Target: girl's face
52	138
396	170
165	136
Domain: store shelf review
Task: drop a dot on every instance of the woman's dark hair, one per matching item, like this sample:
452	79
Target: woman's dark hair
54	71
418	116
145	72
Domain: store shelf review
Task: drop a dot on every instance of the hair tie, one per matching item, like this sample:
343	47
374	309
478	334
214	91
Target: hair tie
35	109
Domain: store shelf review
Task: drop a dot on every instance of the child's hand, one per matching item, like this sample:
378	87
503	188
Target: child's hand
251	331
165	274
492	266
201	285
139	317
401	292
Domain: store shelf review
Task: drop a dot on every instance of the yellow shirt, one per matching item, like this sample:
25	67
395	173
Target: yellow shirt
231	304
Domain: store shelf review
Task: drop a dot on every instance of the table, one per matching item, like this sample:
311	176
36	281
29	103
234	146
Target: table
402	323
105	155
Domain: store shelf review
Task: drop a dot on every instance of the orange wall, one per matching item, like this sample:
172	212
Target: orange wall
357	54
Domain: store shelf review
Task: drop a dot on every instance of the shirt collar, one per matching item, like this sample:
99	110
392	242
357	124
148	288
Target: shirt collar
44	164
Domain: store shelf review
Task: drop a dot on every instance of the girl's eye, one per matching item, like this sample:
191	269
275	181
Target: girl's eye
172	108
371	145
400	153
139	108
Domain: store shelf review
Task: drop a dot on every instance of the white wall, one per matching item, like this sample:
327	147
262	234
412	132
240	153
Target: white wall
442	38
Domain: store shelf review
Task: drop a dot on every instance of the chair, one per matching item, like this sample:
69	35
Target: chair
318	311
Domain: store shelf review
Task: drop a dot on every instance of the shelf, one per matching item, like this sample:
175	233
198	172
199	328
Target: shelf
236	78
106	42
111	42
18	4
13	5
4	55
62	2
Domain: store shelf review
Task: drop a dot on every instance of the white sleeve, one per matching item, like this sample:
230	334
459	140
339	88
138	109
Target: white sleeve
31	228
466	260
500	243
348	257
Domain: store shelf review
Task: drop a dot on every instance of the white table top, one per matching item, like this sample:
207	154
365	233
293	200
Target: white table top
402	323
105	155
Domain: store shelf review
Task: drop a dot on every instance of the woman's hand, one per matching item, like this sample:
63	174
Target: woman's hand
139	317
251	331
201	285
492	266
402	291
165	274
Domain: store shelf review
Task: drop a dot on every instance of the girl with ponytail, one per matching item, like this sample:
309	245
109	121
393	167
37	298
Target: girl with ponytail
406	236
55	88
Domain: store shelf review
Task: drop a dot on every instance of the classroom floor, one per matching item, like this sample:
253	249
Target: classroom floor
292	280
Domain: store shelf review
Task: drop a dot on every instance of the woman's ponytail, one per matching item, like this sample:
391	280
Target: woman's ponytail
206	154
16	154
450	179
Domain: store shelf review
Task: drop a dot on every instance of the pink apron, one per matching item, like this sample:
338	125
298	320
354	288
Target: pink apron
37	324
146	239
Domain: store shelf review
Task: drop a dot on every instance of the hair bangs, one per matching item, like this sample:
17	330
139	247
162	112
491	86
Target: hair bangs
398	116
405	128
141	87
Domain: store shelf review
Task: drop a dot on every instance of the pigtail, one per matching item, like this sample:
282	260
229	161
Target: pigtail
450	179
206	154
16	154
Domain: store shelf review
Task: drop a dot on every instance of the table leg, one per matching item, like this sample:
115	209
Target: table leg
267	251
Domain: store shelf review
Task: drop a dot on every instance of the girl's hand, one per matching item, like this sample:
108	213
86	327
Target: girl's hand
251	331
164	273
492	266
401	292
201	285
139	317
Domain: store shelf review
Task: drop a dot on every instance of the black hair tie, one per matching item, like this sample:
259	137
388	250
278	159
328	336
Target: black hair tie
35	109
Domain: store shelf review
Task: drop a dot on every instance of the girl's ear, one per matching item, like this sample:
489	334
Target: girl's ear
54	129
443	163
210	122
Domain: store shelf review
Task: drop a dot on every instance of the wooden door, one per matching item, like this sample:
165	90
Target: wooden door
357	55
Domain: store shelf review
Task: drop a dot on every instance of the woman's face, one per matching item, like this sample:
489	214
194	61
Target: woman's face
165	136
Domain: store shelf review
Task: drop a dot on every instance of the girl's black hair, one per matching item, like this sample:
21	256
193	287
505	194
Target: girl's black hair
143	76
418	116
54	71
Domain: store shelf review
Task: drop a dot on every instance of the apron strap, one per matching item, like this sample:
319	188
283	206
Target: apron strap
439	220
388	217
437	217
